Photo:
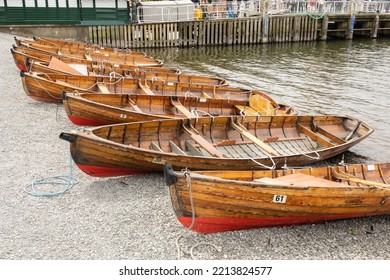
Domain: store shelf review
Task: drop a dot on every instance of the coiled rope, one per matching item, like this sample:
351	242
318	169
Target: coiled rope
67	181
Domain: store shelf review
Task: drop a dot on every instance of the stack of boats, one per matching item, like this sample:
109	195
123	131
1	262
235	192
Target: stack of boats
233	158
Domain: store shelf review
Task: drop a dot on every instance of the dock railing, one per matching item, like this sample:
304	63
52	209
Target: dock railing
239	9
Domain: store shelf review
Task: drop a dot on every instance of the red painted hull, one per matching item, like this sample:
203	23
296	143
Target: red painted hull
86	121
22	67
108	172
214	225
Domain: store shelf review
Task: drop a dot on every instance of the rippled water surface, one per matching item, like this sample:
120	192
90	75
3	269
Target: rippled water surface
340	77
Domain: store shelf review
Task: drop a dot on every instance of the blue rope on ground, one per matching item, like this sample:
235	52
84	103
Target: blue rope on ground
67	181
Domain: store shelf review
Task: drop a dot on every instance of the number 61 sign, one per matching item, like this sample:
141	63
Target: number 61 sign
279	198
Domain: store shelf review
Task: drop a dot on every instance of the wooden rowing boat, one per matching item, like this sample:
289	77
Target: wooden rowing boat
213	143
113	58
49	88
77	51
56	66
91	109
215	201
73	46
23	61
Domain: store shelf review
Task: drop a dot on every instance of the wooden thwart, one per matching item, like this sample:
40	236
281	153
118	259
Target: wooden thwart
88	57
146	89
176	103
176	149
254	139
331	136
193	150
103	88
204	143
315	136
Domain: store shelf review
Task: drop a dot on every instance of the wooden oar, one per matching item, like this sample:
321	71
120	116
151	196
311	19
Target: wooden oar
351	178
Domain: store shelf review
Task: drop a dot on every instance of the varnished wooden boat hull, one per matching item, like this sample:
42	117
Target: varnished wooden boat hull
23	59
20	56
45	41
151	73
49	88
71	46
45	88
95	56
209	202
101	109
213	143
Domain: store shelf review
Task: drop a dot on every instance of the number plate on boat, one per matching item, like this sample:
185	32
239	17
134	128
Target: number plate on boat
370	167
279	198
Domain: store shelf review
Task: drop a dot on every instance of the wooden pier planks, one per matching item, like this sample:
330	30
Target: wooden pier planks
239	31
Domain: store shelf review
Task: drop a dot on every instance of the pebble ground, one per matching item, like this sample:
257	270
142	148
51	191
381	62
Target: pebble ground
128	217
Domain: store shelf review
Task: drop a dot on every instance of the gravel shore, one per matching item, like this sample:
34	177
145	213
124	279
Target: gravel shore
128	217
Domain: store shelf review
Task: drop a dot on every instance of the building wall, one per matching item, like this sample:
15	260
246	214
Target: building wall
84	12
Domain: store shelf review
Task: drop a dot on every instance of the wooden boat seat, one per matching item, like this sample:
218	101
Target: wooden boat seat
300	179
103	88
324	141
339	139
267	148
155	147
205	95
204	143
176	149
88	57
176	103
145	88
195	150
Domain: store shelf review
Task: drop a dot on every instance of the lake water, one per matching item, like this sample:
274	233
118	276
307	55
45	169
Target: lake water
348	77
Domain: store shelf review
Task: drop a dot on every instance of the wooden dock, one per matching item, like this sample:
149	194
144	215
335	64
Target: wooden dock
241	31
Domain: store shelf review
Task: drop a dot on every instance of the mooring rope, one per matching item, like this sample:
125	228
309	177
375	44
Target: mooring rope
217	248
68	181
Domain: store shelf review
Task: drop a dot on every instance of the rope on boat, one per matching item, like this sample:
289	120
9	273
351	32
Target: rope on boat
156	78
67	181
34	75
187	175
265	166
190	94
196	112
